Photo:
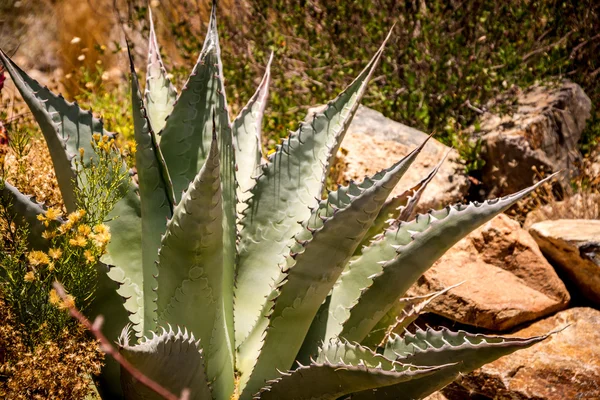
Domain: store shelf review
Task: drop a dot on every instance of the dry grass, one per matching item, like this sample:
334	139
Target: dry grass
549	202
33	173
57	369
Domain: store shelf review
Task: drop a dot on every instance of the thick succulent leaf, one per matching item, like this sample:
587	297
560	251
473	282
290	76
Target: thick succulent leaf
25	211
399	208
403	313
246	129
156	197
430	347
404	253
343	352
186	137
173	359
281	197
66	127
314	264
190	272
124	253
160	94
329	380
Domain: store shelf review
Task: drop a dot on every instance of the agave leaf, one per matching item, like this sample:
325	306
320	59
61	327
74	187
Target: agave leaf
416	246
401	315
186	137
190	275
173	359
399	208
247	137
430	347
160	94
66	127
344	352
289	184
330	378
313	266
25	211
156	196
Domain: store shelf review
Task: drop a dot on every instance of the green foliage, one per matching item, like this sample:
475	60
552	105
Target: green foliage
256	278
100	183
37	251
26	275
442	55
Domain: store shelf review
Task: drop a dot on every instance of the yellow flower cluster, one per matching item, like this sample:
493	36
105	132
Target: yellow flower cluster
29	277
52	214
104	143
72	220
101	235
38	258
55	300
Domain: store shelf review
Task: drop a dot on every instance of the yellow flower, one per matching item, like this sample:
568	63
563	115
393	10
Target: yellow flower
84	230
89	258
101	228
48	235
64	228
75	216
96	137
68	302
54	298
105	138
80	241
51	267
29	277
53	213
132	146
55	253
101	235
81	152
37	258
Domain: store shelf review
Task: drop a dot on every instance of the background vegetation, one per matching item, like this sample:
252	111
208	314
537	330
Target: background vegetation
445	60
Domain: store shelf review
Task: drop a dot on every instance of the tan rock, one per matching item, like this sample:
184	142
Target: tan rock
507	281
436	396
573	245
541	130
374	142
565	366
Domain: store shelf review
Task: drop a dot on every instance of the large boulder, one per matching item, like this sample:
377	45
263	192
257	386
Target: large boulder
564	366
374	142
540	130
573	245
507	281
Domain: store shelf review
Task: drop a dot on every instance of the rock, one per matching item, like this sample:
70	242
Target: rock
507	281
564	366
541	132
574	247
374	142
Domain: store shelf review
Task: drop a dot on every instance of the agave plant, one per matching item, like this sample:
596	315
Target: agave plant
240	279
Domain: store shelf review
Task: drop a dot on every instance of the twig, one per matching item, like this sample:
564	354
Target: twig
548	47
472	107
107	347
582	44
